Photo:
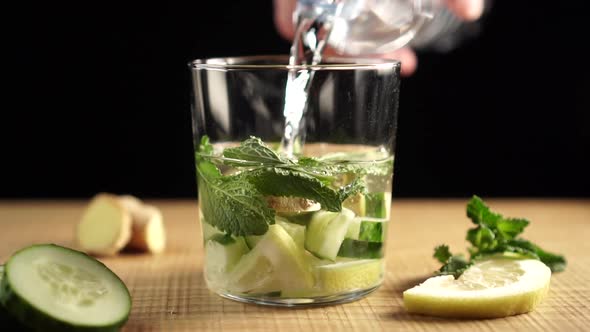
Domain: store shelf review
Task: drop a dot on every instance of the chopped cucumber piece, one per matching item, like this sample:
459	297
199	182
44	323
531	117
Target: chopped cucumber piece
224	239
252	240
367	229
378	205
296	231
360	249
254	274
354	229
350	276
276	263
222	252
357	204
373	230
51	288
326	231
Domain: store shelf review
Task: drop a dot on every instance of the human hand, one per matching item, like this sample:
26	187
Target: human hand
469	10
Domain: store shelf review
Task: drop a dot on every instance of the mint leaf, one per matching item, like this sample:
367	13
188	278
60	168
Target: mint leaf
506	228
555	262
208	171
495	235
480	214
481	237
291	183
351	189
442	253
455	266
511	227
310	162
232	204
205	146
254	150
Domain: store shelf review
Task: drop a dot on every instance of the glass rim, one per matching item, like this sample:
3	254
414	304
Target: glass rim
282	63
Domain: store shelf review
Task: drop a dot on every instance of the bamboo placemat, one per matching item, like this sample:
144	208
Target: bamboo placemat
169	293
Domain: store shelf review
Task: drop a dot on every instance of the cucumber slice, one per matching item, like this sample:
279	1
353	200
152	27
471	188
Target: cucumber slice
51	288
275	264
296	231
367	229
360	249
378	205
354	229
6	321
372	229
326	231
350	276
222	252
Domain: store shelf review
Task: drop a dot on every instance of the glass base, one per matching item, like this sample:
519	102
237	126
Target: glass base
300	302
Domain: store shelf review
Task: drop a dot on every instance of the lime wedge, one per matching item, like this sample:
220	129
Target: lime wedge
495	287
350	276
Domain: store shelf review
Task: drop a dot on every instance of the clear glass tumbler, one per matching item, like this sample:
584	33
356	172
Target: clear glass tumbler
307	227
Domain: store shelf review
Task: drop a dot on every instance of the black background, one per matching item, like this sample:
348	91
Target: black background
96	98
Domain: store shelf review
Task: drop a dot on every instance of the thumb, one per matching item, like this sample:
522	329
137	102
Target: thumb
283	17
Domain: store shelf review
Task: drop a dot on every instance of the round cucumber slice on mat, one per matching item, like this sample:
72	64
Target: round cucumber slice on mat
51	288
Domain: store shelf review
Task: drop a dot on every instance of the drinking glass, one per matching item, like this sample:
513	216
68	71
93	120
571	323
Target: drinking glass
300	227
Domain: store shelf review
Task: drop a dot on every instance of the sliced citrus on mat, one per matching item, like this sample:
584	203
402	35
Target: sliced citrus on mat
496	287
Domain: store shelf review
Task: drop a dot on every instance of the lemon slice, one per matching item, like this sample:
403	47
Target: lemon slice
496	287
350	275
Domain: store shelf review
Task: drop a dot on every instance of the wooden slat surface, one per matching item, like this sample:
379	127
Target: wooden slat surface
169	293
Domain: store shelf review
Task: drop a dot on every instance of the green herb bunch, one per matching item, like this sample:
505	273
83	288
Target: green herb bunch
494	235
236	203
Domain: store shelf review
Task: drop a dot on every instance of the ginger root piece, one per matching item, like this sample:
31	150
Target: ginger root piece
105	227
147	227
291	204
